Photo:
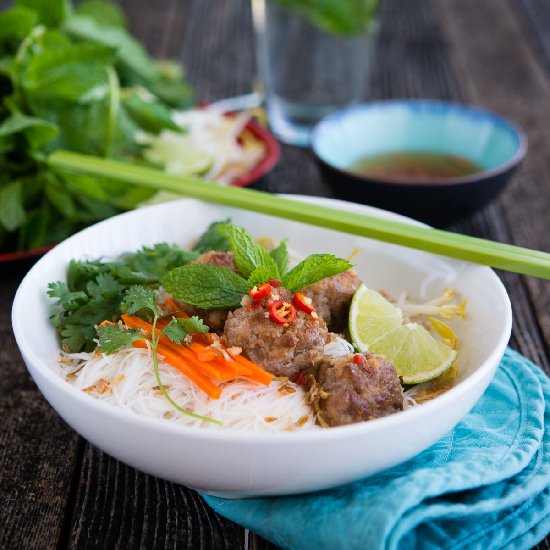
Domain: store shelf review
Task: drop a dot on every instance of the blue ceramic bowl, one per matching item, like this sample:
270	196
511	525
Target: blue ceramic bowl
494	144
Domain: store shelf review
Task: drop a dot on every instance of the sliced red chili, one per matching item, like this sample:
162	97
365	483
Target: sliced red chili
282	312
299	378
359	359
260	291
275	283
302	302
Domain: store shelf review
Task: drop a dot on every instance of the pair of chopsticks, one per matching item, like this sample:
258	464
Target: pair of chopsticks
472	249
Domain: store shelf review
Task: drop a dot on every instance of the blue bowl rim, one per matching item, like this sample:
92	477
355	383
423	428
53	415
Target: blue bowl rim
463	108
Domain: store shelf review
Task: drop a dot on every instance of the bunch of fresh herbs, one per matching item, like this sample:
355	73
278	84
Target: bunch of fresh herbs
73	78
94	291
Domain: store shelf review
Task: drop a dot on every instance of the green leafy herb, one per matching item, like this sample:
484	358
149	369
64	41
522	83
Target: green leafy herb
213	287
178	329
313	269
280	257
343	17
73	78
103	12
113	338
247	252
140	299
259	275
69	301
95	291
206	286
148	111
212	239
12	213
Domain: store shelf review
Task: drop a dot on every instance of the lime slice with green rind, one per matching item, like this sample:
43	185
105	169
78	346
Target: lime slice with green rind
377	326
371	316
178	156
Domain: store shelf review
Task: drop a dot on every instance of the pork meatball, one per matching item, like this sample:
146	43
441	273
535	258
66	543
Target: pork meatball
214	318
359	386
220	259
283	350
332	298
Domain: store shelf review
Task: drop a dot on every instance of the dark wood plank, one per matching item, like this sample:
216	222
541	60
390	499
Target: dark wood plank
38	455
519	88
119	507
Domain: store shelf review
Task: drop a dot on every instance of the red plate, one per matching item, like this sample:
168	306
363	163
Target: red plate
271	155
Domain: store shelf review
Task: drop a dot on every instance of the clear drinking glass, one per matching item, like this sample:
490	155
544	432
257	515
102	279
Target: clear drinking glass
306	71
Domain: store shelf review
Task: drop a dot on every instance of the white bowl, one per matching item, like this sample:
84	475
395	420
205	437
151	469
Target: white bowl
239	464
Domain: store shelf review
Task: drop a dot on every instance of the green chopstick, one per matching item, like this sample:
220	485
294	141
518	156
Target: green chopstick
472	249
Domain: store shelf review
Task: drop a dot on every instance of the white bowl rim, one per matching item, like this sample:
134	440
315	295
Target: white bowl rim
461	108
337	432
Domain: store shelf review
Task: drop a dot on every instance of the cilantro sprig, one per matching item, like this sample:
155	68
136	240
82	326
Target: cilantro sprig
140	300
214	287
94	290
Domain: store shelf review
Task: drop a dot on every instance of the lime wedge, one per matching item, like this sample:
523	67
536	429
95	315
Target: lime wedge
177	155
377	326
370	317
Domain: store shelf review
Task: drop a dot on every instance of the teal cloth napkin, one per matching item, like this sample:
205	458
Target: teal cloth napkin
484	485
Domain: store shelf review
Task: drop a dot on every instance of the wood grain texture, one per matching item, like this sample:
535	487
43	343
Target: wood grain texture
60	492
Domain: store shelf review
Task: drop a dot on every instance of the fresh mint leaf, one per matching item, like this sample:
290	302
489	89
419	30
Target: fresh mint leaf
130	52
16	23
247	252
12	213
170	85
139	298
34	231
212	239
280	256
259	275
36	131
51	12
313	269
205	286
74	74
149	113
113	338
59	198
340	17
104	13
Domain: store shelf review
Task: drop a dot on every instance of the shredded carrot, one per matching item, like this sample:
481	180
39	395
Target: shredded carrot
234	367
180	364
103	323
258	374
202	352
197	357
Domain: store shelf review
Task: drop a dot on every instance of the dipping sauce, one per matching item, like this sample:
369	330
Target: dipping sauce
414	166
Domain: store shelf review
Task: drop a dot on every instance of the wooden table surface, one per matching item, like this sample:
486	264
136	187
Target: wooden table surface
57	490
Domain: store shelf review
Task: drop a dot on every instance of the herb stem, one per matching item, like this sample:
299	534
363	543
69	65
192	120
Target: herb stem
154	346
114	104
